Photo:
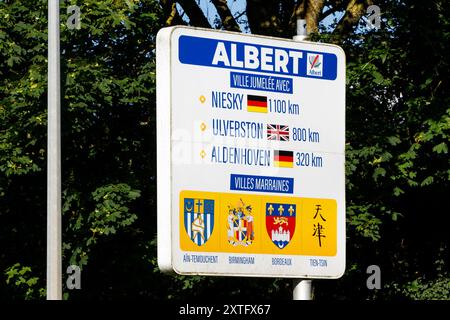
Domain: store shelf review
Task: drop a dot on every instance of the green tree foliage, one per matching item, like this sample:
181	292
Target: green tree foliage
398	128
108	139
23	283
398	120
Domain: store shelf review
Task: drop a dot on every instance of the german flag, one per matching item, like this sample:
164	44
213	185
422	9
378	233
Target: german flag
256	103
284	159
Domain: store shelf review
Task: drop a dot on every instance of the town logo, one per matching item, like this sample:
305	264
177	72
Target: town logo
280	222
199	219
314	65
240	224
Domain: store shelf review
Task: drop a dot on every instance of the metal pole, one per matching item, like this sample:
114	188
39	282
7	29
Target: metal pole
302	33
302	289
54	270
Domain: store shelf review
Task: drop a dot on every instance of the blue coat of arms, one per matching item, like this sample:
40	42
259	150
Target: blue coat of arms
199	219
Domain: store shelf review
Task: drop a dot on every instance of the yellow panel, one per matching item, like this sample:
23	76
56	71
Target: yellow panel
252	209
319	227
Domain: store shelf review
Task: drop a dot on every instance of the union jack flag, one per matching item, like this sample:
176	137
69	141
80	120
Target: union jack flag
277	132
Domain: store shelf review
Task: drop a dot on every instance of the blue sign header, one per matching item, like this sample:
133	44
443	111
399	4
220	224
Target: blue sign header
258	58
260	82
245	182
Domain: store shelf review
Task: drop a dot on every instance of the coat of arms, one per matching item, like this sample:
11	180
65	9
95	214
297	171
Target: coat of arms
240	224
280	223
199	219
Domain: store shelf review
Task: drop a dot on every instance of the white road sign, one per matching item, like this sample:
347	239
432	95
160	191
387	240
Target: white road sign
251	139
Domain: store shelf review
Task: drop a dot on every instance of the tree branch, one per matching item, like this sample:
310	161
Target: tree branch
172	15
228	21
297	13
313	10
170	12
263	17
195	14
339	5
354	11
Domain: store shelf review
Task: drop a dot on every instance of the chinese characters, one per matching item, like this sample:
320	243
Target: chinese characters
318	228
